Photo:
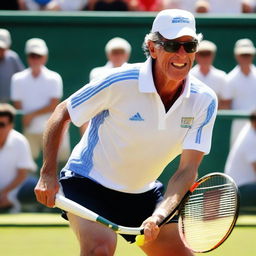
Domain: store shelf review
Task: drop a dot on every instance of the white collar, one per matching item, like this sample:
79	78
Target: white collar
146	81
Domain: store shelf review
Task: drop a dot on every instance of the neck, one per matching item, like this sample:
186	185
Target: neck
36	71
245	70
205	69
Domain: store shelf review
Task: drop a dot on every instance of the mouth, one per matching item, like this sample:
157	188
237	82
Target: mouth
178	65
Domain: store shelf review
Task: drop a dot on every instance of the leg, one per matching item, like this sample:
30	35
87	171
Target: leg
168	243
94	238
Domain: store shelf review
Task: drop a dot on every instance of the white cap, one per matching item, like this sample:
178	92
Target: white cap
244	46
118	43
5	39
174	23
37	46
206	45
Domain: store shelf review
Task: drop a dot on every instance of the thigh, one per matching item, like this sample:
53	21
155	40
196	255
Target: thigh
93	236
168	243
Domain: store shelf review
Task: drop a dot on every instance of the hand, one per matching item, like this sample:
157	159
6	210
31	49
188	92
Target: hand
27	119
46	189
4	201
151	229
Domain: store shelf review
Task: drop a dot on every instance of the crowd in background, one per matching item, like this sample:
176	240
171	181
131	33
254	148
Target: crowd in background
194	6
37	90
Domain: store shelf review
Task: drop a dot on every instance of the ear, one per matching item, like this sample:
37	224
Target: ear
152	49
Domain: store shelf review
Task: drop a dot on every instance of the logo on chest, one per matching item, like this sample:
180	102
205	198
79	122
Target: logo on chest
136	117
186	122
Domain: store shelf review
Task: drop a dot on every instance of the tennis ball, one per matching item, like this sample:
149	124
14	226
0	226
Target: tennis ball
140	240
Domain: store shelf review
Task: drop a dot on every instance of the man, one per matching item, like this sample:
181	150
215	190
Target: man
15	159
10	63
241	163
142	117
239	94
118	52
205	71
37	91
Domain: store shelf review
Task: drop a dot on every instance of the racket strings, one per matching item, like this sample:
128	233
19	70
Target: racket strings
208	214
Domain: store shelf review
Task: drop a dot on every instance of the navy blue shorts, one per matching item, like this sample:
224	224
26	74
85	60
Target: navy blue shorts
121	208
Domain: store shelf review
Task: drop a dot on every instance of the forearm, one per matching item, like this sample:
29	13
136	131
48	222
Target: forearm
18	180
47	109
56	126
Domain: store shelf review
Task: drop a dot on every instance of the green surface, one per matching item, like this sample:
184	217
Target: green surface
54	241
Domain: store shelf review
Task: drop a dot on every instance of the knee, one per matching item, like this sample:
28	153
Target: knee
101	248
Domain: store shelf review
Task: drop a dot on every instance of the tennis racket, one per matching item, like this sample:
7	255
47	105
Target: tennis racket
207	213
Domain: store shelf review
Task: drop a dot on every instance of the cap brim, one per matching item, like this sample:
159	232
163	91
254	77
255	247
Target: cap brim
245	51
171	34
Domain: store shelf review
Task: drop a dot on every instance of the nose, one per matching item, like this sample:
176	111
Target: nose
181	51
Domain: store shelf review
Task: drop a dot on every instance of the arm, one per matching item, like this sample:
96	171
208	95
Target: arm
48	185
18	180
178	185
254	166
225	104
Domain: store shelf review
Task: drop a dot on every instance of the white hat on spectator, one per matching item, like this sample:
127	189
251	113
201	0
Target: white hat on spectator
5	39
118	43
206	45
37	46
244	46
174	23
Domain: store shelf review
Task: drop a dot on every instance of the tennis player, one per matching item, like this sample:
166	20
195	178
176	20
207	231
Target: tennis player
141	117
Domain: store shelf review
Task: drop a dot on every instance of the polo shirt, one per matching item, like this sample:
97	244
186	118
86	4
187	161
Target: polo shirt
131	138
241	89
36	93
242	155
14	155
216	78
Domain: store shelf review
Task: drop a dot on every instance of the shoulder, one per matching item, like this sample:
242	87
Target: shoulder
51	74
21	75
12	55
233	73
18	139
200	89
219	72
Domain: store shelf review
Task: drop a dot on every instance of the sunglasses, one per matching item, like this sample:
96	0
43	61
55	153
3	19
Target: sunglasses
174	46
3	125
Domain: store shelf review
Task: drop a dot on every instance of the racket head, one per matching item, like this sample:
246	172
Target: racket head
209	214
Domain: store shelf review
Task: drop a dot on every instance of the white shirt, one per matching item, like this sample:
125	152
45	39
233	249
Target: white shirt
35	93
131	138
14	155
225	7
242	155
99	71
216	78
241	89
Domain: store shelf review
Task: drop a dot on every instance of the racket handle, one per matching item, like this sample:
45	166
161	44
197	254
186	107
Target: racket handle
140	240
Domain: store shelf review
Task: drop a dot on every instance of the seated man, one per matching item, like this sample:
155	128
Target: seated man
241	163
15	159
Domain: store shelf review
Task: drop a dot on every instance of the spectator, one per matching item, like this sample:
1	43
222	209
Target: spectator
241	163
110	5
37	91
205	71
15	159
202	6
117	51
10	63
145	5
239	94
55	5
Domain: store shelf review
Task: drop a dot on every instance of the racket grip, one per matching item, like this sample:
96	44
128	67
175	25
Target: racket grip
140	240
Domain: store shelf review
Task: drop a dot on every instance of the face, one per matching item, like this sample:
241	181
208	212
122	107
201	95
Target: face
35	60
5	127
205	58
244	59
173	65
118	57
2	53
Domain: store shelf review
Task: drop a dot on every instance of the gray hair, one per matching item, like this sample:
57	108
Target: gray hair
156	36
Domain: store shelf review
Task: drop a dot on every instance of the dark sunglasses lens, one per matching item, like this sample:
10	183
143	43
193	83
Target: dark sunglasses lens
190	47
172	46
